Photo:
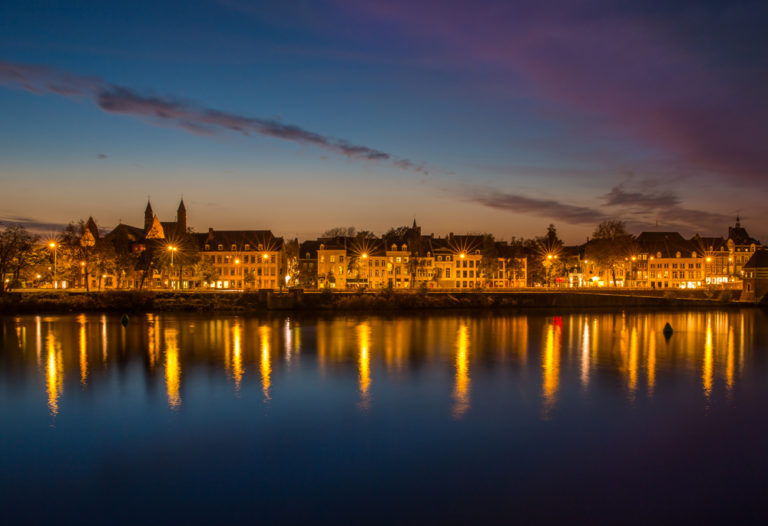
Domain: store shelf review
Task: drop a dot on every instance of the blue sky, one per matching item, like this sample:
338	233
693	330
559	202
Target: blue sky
491	116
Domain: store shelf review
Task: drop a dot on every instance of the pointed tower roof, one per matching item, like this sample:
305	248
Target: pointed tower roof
156	231
90	225
182	208
148	209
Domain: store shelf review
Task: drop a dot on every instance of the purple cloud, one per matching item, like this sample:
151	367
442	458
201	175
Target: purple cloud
688	80
184	115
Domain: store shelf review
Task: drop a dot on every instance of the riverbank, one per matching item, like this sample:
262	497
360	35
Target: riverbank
297	300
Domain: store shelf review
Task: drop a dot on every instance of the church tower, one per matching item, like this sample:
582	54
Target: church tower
148	217
181	219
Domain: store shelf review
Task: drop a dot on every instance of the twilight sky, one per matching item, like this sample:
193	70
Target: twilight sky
493	116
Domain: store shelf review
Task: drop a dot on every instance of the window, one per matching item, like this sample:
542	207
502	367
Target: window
333	259
234	247
341	259
207	246
247	247
448	273
220	247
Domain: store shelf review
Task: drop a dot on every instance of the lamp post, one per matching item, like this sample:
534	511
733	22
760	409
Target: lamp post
172	249
52	245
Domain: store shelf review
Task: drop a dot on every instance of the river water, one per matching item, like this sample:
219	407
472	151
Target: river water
415	419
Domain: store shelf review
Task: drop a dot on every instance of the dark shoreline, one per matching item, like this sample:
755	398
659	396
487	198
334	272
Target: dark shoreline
351	302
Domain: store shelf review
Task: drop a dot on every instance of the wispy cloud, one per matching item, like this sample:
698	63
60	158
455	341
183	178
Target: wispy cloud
33	225
185	115
620	196
639	210
548	208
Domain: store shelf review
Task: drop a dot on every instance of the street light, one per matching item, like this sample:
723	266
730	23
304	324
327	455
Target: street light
172	249
52	245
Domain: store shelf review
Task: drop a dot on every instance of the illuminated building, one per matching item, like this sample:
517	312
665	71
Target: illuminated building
755	276
243	259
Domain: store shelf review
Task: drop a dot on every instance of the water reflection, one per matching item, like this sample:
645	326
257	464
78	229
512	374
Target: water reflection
548	356
266	360
172	367
364	363
237	355
461	389
54	377
81	320
550	366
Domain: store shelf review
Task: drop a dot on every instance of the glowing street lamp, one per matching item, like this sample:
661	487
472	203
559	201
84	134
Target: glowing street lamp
52	245
462	255
172	249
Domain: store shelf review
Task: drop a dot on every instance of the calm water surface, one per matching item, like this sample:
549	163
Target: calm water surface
434	419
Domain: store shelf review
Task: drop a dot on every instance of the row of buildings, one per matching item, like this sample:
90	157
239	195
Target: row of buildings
169	255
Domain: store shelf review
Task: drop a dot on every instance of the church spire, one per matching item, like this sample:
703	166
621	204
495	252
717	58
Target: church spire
181	219
148	216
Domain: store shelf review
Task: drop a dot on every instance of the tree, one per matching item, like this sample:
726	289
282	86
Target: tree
340	231
205	270
489	262
17	250
77	247
610	246
543	254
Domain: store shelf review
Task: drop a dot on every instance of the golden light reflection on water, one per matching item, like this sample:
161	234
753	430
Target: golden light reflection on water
266	360
461	388
172	367
585	357
706	374
576	350
550	366
237	355
632	366
730	356
82	320
54	373
152	340
364	363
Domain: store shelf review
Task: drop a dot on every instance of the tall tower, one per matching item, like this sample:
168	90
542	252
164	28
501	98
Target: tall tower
181	219
148	216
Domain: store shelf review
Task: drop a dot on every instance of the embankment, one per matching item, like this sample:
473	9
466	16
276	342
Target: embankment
297	300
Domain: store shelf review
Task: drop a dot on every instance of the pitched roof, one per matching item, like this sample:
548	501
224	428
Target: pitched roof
666	243
758	260
240	238
708	244
740	236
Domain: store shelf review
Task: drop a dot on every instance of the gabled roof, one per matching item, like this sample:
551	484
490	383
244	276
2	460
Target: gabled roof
240	238
738	234
128	232
308	249
708	244
156	231
666	243
758	260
